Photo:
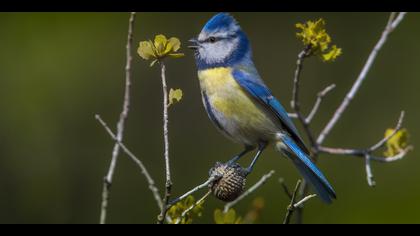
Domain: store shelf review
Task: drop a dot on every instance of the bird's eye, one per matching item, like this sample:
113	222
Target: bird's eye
212	39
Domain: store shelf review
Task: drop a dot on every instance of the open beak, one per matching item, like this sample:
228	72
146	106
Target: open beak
194	44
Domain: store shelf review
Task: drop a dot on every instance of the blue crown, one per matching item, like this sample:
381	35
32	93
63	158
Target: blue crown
242	54
221	21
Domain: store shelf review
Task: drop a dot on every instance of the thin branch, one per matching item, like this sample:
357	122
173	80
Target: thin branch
391	18
397	128
361	153
369	174
285	188
200	201
120	125
292	115
144	171
192	191
320	97
369	151
294	204
302	202
390	27
318	102
397	21
290	208
261	182
295	103
397	157
296	80
168	183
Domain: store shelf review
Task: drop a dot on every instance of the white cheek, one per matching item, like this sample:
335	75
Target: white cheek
218	52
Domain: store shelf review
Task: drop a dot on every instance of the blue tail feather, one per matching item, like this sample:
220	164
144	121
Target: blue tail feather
309	170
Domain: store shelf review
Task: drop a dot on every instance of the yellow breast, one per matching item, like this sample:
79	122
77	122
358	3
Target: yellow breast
229	98
240	114
224	93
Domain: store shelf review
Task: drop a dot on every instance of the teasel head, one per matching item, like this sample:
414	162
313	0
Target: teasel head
229	181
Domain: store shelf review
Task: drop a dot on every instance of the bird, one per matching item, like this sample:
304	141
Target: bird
240	104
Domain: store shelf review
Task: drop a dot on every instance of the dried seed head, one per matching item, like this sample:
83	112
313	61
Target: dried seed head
230	182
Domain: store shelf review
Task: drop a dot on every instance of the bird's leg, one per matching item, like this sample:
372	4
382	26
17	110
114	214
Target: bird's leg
240	155
261	148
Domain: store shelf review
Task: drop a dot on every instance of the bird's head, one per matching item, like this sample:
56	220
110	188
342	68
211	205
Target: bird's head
221	42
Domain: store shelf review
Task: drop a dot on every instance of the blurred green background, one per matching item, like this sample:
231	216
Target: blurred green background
59	69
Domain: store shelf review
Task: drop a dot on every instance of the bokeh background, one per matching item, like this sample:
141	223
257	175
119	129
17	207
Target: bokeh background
59	69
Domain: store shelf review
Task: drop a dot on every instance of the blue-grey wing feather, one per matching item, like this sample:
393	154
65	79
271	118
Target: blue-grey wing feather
251	82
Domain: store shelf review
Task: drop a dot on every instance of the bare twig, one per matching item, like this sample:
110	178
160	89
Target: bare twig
144	171
295	103
361	153
285	188
397	128
320	97
294	204
296	81
261	182
369	174
370	150
367	151
305	199
397	20
290	208
120	125
292	115
192	191
200	201
373	148
290	195
168	183
318	102
390	27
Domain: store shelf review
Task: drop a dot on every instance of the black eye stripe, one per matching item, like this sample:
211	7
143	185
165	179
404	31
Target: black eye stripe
213	39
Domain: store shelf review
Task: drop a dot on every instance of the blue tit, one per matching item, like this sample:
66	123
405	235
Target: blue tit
241	106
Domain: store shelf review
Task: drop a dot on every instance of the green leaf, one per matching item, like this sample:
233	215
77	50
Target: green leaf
396	143
160	48
332	54
173	44
175	96
198	209
189	201
229	217
160	43
175	212
145	50
314	35
219	217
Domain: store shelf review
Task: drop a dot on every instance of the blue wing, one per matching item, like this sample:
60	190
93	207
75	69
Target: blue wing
251	82
310	171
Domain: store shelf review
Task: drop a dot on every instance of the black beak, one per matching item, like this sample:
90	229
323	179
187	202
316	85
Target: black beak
194	44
